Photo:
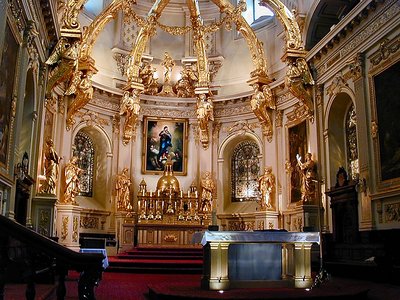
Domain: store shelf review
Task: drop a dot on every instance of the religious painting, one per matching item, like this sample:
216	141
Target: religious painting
297	146
387	90
164	139
7	78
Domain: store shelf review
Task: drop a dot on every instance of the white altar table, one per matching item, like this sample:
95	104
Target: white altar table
250	259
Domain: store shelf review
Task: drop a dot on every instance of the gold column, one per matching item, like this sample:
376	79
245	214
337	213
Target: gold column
302	260
216	267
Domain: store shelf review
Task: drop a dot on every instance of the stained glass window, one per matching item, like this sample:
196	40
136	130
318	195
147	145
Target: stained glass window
351	140
84	150
245	172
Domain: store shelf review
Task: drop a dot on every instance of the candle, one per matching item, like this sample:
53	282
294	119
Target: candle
151	194
188	193
181	194
195	194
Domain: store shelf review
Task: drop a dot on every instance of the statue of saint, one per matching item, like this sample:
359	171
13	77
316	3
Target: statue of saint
266	184
72	172
207	192
168	63
122	186
308	172
51	163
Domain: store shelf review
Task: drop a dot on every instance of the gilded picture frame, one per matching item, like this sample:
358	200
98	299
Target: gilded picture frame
384	90
163	137
8	65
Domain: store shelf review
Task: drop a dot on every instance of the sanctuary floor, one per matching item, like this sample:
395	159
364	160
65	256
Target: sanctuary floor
128	286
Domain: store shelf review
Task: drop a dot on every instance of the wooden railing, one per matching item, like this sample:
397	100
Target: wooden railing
27	254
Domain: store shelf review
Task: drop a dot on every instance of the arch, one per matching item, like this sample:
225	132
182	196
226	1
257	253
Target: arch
224	171
227	142
102	148
335	124
97	128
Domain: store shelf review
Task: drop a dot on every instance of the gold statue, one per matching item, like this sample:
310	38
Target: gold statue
186	85
72	172
84	93
308	172
207	192
168	63
205	113
130	107
146	73
122	186
298	78
266	185
65	55
262	103
51	163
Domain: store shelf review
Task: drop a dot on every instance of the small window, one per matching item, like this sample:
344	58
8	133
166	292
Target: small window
93	7
245	171
84	150
255	12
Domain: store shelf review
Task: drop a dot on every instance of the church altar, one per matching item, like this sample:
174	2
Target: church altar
237	259
168	217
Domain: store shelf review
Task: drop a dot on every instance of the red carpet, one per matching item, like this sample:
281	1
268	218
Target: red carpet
131	286
191	290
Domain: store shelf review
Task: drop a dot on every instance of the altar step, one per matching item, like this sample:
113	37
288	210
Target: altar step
158	260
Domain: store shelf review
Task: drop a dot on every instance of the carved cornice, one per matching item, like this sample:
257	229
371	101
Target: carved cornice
169	113
344	30
298	113
349	38
386	49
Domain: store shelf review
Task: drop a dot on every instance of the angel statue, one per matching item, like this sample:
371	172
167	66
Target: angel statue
298	77
261	104
65	55
83	91
130	107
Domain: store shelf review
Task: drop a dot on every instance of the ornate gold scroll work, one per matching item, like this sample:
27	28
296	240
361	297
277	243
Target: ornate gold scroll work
255	46
292	29
71	12
298	76
147	31
199	45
